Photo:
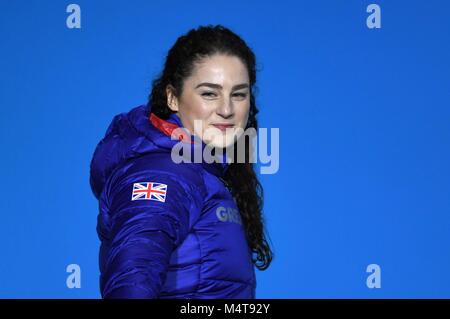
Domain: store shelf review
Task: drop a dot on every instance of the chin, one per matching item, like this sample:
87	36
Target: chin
221	140
220	145
218	142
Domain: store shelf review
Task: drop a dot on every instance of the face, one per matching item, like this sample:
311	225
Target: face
215	101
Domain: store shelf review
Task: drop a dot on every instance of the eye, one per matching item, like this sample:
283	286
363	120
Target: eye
209	94
240	95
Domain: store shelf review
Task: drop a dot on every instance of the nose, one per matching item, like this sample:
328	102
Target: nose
225	109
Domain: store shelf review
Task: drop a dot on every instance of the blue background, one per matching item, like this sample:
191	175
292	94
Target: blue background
364	118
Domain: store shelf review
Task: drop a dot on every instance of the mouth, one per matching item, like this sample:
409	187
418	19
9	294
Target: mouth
223	126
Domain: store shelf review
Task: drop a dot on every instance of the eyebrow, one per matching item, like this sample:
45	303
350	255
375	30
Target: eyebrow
218	86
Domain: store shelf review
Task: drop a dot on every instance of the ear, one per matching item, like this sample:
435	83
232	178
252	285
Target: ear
172	101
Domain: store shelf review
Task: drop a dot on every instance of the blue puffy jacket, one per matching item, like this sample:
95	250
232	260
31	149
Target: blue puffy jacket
167	230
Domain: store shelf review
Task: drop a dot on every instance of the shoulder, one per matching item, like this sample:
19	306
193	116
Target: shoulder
159	167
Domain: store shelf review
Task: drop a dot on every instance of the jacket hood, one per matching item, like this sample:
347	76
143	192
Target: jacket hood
134	134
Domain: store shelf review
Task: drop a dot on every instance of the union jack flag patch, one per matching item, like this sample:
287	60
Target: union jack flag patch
150	191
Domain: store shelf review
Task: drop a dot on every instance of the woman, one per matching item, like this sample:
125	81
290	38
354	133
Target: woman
183	230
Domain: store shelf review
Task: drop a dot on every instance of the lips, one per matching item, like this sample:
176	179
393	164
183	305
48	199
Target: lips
223	126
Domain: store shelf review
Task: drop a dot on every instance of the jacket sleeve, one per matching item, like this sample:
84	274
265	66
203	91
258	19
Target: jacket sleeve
144	232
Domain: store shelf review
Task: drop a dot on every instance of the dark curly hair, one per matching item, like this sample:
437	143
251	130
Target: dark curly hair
205	41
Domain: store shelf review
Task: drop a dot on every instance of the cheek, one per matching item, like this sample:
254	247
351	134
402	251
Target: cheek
194	109
242	115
